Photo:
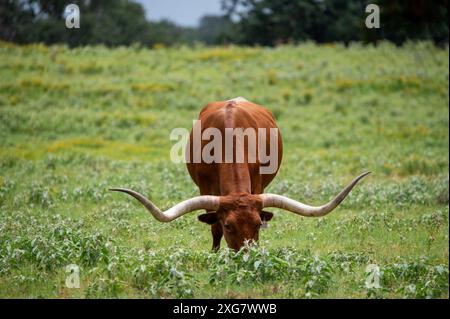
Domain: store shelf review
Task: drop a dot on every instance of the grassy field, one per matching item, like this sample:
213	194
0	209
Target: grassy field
74	122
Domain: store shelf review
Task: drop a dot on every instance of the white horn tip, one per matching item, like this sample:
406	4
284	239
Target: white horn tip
364	174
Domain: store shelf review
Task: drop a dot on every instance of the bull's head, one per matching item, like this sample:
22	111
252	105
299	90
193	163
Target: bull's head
240	216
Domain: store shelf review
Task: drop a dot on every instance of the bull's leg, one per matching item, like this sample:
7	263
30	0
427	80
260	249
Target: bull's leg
207	188
216	230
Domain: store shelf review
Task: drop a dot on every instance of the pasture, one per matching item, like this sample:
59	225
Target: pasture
74	122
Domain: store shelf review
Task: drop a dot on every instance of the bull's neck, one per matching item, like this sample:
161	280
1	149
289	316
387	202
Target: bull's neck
234	178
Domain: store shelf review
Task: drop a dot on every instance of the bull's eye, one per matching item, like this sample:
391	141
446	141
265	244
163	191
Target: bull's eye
228	228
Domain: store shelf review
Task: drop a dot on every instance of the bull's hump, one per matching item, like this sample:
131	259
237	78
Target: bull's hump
238	99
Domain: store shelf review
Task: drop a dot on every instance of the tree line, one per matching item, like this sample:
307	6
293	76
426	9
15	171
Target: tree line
247	22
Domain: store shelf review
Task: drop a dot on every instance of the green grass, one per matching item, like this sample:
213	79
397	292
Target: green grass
75	122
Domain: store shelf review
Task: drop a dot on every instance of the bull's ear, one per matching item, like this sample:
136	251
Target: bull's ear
208	218
266	216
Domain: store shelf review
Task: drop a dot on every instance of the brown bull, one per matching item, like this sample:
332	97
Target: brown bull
232	192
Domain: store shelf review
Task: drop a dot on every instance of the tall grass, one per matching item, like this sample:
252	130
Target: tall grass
74	122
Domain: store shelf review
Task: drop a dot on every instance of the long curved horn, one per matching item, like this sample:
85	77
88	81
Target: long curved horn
283	202
207	202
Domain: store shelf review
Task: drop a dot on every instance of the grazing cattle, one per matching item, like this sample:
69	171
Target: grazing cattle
232	192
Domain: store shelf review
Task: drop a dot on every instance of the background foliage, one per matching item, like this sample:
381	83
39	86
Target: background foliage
251	22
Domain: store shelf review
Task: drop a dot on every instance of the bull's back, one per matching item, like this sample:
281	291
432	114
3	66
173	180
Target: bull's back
235	113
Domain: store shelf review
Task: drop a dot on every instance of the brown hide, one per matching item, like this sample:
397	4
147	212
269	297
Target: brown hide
239	216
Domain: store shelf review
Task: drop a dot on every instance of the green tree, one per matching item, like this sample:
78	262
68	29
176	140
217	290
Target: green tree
270	22
214	29
112	22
